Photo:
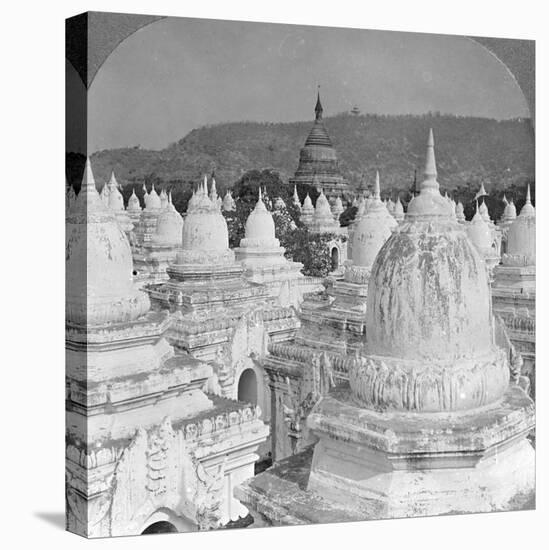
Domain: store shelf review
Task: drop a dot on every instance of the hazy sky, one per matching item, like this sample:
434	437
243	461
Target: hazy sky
178	74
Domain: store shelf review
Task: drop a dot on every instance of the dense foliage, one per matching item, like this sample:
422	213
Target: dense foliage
300	245
469	150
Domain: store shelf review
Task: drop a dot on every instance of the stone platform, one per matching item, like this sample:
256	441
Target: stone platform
480	463
279	496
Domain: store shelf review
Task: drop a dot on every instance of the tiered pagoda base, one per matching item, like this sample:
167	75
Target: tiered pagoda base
370	465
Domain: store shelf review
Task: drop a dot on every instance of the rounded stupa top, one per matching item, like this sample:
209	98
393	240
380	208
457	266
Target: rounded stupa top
169	227
322	208
372	230
521	236
337	208
205	228
163	199
483	211
398	211
115	198
480	234
99	265
145	195
133	203
429	326
510	212
228	202
152	201
428	297
260	228
308	205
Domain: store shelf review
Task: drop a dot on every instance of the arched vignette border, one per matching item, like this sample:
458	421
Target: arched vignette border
92	36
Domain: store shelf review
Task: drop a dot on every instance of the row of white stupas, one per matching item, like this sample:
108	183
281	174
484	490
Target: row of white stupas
167	224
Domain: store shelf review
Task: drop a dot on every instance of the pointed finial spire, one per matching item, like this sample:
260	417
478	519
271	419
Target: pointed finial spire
528	195
88	181
205	184
377	191
259	194
318	106
505	201
430	162
112	180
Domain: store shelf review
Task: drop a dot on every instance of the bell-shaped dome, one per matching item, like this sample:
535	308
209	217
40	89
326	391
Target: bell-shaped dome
429	327
510	212
337	208
133	203
163	199
152	201
322	208
205	228
428	295
308	205
169	228
483	210
521	237
398	212
260	228
99	265
228	202
115	198
372	230
480	234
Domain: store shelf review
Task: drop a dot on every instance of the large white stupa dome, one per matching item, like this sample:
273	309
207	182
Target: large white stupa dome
372	230
260	228
429	327
521	237
99	265
152	200
169	228
480	234
205	233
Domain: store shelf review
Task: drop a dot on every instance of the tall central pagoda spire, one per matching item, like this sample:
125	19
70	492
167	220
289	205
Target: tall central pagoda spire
318	107
318	157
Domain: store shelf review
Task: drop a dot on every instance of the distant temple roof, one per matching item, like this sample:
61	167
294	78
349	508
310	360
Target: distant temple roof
318	159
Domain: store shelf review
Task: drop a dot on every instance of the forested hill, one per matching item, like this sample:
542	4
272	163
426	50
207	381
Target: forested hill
468	150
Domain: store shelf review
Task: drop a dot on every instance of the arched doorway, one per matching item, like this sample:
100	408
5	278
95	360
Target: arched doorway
247	387
335	258
160	527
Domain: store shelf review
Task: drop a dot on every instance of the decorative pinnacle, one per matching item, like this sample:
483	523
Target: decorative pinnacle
430	162
112	180
318	106
144	189
88	180
528	195
259	199
377	191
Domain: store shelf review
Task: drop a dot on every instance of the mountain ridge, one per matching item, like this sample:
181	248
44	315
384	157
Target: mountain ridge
469	150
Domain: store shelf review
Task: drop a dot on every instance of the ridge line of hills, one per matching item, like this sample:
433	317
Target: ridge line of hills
469	150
